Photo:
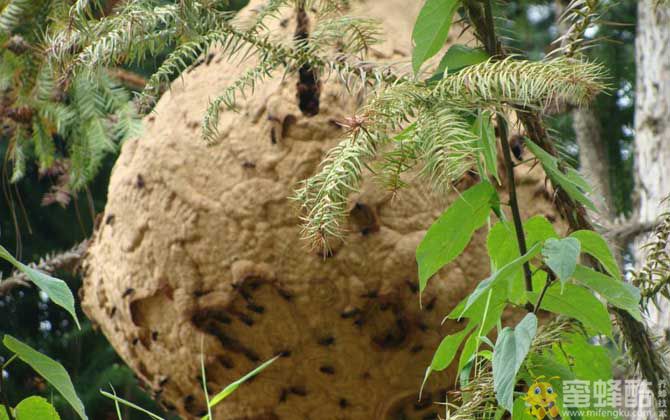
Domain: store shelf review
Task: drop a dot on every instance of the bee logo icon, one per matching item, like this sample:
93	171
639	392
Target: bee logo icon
541	400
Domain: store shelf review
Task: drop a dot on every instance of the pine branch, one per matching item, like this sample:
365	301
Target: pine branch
446	145
133	33
87	111
578	16
246	82
350	35
525	83
324	196
18	153
82	8
121	38
13	14
269	10
403	157
43	143
231	41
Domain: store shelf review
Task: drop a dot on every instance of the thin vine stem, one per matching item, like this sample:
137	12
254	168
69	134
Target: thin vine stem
493	50
550	280
5	398
514	202
491	41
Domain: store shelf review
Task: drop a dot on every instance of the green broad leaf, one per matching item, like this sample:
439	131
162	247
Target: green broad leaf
596	246
458	57
431	29
508	356
500	275
548	365
578	303
489	318
447	349
576	178
468	353
446	352
464	374
452	231
486	136
487	354
52	371
538	229
588	362
57	290
476	312
568	182
234	385
561	256
33	408
501	244
3	413
503	248
501	241
617	293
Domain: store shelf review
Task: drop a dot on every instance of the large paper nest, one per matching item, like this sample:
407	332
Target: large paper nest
199	251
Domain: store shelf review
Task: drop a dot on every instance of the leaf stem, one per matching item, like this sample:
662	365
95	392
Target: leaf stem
550	280
8	362
514	202
3	393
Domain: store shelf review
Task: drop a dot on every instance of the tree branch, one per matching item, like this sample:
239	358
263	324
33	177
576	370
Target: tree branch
128	78
625	231
67	260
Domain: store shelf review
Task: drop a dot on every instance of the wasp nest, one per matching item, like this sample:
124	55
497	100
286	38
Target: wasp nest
199	247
